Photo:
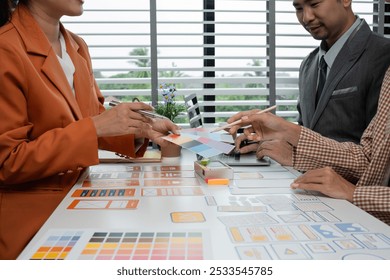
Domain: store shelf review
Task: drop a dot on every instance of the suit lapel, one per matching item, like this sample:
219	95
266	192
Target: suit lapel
309	88
54	72
347	57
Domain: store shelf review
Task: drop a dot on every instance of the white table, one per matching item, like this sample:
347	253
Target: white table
286	224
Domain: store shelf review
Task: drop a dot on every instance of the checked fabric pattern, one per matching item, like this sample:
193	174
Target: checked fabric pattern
365	164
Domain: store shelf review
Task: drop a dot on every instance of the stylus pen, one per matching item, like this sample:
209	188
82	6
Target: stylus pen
229	125
149	114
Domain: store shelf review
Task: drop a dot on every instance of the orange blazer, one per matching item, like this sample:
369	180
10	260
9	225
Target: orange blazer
47	137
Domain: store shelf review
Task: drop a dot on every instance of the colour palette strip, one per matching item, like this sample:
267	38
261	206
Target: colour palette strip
144	246
57	246
122	245
220	136
203	146
108	183
103	193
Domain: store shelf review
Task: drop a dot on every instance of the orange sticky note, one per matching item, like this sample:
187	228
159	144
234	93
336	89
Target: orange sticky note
217	181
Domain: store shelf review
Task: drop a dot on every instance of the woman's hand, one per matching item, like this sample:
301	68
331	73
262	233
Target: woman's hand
161	128
123	119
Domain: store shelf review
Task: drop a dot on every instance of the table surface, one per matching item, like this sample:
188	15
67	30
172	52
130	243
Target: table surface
166	211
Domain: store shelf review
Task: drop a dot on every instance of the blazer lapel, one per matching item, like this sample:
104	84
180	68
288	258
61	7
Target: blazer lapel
82	78
54	72
344	61
39	45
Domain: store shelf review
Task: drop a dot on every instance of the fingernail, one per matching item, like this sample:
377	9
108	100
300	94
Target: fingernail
294	185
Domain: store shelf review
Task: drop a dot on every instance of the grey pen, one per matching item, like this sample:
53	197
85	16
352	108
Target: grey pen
149	114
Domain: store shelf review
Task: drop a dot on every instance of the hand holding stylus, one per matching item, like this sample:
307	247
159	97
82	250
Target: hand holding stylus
149	114
229	125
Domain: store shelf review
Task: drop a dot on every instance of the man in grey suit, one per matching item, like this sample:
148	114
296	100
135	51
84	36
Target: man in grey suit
356	60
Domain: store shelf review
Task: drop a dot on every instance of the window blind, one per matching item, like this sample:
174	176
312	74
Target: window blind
234	54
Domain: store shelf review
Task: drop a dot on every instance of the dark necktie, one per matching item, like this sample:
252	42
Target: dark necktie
323	67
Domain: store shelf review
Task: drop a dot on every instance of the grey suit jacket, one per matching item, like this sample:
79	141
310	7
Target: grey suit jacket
350	95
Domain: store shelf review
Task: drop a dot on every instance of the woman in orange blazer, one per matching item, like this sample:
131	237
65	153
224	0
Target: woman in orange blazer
53	120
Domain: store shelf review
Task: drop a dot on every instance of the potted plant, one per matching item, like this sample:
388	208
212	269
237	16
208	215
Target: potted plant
168	106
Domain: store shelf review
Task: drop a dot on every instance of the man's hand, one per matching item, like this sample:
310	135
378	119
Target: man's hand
243	146
326	181
266	126
279	150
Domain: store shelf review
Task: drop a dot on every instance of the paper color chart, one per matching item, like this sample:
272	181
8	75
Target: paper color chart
203	146
220	136
103	193
144	246
57	246
122	245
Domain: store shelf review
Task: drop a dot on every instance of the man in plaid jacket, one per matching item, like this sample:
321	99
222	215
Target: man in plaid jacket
358	173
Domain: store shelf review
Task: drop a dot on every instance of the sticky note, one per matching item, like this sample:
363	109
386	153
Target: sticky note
220	181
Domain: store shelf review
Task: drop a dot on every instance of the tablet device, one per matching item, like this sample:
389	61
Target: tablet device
249	159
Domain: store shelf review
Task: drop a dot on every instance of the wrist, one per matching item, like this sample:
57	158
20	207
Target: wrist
293	134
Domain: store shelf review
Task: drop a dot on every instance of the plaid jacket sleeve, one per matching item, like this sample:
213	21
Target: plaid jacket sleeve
315	151
365	164
374	200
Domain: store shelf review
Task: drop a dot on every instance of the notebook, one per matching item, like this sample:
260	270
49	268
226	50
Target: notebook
111	157
249	159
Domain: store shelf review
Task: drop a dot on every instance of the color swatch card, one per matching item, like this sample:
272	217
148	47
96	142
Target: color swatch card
57	246
203	146
221	136
98	204
122	245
